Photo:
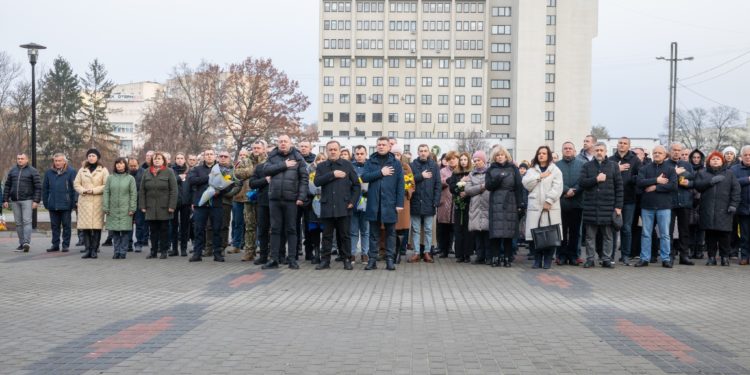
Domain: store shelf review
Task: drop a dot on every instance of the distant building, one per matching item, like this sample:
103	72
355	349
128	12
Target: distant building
518	71
127	106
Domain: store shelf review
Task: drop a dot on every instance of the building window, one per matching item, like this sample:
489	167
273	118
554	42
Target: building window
500	120
409	118
459	135
377	81
549	116
500	84
328	133
426	81
476	82
460	82
409	134
443	99
442	134
476	100
377	63
476	118
458	118
443	81
361	98
327	81
393	62
500	66
500	102
426	118
501	11
442	118
377	117
500	29
460	63
476	63
551	3
345	62
393	99
343	133
377	133
460	100
410	81
410	99
360	117
344	81
550	59
549	96
328	62
361	62
377	98
393	117
327	98
328	117
393	81
549	77
343	116
549	135
359	133
343	98
393	134
551	20
500	48
427	99
444	63
427	63
411	63
426	134
550	40
361	81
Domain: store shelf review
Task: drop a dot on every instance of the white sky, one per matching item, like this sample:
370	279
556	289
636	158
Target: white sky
142	40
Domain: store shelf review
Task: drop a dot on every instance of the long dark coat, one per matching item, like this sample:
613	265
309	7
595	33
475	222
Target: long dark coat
157	194
503	181
337	193
384	193
716	199
600	198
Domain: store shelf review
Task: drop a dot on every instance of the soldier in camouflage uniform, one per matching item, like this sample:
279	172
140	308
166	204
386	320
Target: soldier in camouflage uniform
244	171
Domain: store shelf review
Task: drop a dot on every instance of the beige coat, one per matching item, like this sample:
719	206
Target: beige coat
91	206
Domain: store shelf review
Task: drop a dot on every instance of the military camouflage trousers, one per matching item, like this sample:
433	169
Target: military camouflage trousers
251	226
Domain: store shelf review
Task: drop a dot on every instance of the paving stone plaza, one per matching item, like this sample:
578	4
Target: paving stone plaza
64	315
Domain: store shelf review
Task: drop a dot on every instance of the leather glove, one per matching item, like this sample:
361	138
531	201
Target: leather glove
716	179
731	210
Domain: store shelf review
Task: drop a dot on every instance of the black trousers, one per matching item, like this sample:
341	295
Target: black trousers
482	244
445	237
718	240
464	243
681	246
263	220
341	226
283	225
159	235
181	227
504	245
571	226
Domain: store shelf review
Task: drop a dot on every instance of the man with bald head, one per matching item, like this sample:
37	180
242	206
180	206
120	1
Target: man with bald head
657	181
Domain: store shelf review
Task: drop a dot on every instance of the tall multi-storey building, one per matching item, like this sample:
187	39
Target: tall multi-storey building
518	71
127	106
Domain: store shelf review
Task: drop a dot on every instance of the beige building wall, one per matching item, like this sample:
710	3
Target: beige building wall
127	107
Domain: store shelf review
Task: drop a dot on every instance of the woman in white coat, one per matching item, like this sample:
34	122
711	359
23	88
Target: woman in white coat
544	181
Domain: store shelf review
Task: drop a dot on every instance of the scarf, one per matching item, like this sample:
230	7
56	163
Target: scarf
154	171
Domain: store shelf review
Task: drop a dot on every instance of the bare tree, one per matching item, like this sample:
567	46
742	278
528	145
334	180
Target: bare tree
474	142
255	100
726	124
600	132
692	128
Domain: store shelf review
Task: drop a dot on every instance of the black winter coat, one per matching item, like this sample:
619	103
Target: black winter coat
719	199
683	198
198	181
630	176
337	193
742	173
426	196
600	198
661	198
289	184
459	216
183	187
503	181
384	193
259	183
23	184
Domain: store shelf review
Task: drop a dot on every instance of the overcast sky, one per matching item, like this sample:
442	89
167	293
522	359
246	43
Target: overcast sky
141	40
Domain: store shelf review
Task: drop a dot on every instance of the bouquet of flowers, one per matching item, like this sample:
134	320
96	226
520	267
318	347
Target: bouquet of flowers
458	201
409	181
3	226
362	202
217	181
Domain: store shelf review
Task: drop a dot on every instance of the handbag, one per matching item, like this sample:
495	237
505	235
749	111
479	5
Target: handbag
617	221
546	237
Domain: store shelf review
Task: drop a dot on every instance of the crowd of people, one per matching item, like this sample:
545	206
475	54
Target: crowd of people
283	202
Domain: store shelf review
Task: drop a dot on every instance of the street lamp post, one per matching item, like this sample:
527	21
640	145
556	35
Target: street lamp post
33	50
673	87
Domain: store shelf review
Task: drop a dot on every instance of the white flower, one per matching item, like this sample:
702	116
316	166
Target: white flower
461	184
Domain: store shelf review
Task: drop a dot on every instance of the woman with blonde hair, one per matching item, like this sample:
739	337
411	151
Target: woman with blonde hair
503	181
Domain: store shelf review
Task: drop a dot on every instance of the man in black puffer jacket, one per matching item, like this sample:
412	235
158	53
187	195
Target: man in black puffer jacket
424	202
287	191
628	165
682	204
22	193
601	182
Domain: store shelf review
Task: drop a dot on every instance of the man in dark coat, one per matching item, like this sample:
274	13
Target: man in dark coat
287	191
262	211
721	192
22	193
682	204
570	205
658	182
340	190
385	198
741	170
306	211
601	182
628	165
59	199
424	201
198	180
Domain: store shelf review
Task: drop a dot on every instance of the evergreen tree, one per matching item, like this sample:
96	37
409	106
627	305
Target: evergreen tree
97	90
60	103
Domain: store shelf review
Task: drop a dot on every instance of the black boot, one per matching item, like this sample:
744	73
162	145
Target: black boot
152	254
348	265
86	237
163	254
324	264
95	241
372	264
537	260
183	251
685	261
174	252
389	264
547	258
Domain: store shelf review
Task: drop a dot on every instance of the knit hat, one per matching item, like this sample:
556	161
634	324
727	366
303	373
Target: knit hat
95	152
397	149
523	165
730	149
716	154
480	155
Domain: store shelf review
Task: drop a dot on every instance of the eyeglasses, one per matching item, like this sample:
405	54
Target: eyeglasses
223	156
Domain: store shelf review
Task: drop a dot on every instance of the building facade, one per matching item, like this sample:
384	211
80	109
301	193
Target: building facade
127	106
518	72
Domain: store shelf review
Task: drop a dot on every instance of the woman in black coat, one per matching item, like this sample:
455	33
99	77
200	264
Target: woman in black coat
697	235
503	181
720	197
456	182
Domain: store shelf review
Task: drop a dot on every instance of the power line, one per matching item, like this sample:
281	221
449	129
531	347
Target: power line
711	100
717	66
720	74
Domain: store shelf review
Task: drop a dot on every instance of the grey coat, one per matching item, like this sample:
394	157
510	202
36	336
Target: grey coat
479	206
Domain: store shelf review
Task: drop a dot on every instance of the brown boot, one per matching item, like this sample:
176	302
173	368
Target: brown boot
365	258
233	250
414	258
428	257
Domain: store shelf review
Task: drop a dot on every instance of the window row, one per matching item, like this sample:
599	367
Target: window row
370	25
405	44
411	99
403	7
331	6
500	48
436	25
469	26
412	134
337	25
410	118
501	12
437	7
361	62
500	30
375	7
469	7
370	44
469	45
402	25
337	43
436	44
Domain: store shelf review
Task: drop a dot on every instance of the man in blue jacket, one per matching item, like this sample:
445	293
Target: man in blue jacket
22	192
385	198
424	202
741	170
657	181
60	199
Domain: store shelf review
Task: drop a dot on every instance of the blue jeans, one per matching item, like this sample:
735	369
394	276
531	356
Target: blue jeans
58	218
238	224
390	240
626	233
121	240
141	229
22	216
359	226
200	219
416	228
663	217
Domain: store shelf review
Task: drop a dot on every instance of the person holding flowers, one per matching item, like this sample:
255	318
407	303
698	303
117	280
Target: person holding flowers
457	182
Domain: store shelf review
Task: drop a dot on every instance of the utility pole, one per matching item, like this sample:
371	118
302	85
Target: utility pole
673	59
